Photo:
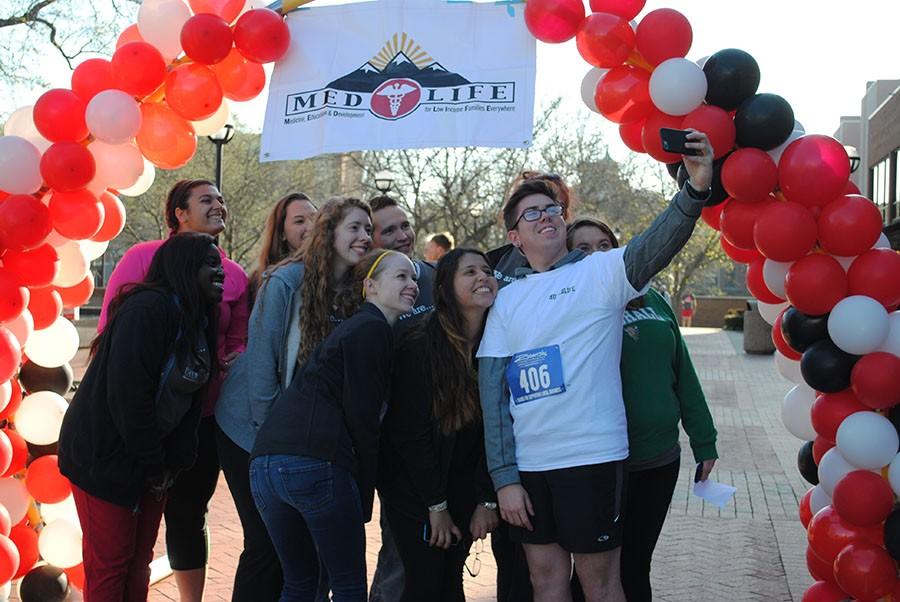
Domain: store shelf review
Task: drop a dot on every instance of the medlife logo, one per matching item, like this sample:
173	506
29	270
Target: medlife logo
394	83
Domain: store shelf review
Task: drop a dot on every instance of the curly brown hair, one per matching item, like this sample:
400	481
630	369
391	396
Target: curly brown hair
320	287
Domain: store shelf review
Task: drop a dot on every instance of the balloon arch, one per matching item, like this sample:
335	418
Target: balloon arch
782	200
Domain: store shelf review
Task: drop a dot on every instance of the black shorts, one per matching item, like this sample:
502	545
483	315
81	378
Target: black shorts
579	508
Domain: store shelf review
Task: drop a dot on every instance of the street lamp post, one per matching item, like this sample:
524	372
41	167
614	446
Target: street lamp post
220	139
384	181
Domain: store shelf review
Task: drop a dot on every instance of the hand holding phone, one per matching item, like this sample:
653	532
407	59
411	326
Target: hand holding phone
674	141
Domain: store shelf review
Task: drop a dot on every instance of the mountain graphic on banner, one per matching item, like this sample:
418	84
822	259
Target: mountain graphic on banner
368	77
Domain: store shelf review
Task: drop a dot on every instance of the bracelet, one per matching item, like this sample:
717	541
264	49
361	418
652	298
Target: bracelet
489	505
438	507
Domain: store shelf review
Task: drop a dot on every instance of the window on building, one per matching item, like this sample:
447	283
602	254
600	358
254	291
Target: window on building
881	193
896	193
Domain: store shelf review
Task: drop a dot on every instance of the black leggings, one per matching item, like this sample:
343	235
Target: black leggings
187	534
258	577
432	574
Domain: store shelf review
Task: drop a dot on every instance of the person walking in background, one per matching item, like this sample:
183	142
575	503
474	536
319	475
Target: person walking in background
660	388
436	492
313	466
293	312
193	206
438	245
131	428
688	307
287	226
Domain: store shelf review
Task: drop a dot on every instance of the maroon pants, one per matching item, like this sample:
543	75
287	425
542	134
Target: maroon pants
118	546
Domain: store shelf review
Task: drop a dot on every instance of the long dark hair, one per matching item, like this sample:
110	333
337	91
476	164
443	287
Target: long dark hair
178	199
174	270
274	245
454	385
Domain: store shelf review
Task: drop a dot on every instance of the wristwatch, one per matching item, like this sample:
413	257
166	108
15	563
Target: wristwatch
489	505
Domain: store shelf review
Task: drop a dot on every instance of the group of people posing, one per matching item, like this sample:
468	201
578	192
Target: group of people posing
533	393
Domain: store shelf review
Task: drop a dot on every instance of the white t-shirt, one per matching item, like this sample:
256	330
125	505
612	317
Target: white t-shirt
563	330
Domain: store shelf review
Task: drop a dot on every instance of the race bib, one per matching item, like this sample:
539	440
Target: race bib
535	374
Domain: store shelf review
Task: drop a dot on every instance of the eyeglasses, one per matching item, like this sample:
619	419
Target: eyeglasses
533	215
476	562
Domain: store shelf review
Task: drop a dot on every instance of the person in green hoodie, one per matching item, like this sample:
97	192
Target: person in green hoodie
659	387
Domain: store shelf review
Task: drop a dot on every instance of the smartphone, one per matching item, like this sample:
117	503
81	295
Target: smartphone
673	141
426	532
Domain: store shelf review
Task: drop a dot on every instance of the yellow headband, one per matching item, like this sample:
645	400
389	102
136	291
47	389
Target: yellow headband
372	270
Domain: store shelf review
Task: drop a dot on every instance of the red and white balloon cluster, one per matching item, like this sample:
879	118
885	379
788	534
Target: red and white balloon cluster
823	272
63	163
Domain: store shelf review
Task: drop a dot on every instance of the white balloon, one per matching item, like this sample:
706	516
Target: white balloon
113	117
883	242
845	262
818	499
20	166
64	509
858	324
144	182
776	152
892	341
59	543
56	240
589	87
159	23
788	368
40	416
21	327
15	498
771	311
894	474
677	86
773	275
93	250
795	412
216	122
701	62
21	123
867	440
118	166
73	265
832	468
53	346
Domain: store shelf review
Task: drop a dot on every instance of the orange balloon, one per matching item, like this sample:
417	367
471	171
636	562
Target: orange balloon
241	80
166	139
78	295
76	576
129	34
113	218
193	91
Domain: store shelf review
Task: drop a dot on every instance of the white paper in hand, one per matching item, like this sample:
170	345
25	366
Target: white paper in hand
717	494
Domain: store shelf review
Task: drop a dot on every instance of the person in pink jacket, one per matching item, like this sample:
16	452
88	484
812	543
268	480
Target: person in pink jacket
193	206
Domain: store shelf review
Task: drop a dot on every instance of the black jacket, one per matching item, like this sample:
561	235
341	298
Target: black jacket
332	409
111	442
416	456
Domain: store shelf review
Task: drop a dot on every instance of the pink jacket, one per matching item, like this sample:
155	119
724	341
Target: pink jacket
234	311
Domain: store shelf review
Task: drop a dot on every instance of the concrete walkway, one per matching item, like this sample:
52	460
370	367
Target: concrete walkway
753	549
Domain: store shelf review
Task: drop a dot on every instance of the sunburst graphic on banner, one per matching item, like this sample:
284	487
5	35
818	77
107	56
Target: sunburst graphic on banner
401	42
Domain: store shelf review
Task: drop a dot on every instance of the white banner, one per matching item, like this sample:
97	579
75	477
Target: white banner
401	74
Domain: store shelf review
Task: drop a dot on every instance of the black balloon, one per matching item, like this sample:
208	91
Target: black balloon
44	584
732	76
826	368
802	331
806	464
892	533
36	451
37	378
717	194
763	121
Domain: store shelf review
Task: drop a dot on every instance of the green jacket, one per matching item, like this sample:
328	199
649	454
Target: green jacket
660	386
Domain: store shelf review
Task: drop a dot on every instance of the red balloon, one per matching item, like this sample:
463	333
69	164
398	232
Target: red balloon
13	297
829	534
849	225
45	306
77	215
863	498
76	576
830	409
851	188
9	558
605	40
822	591
227	9
813	170
166	139
818	568
91	77
627	9
554	21
712	215
15	400
876	274
67	166
785	231
663	34
5	520
631	135
736	253
778	338
804	509
815	283
865	571
193	91
240	79
19	454
651	139
113	218
44	481
623	94
206	38
820	446
738	220
24	222
59	116
6	452
262	36
35	267
78	295
875	380
749	175
128	35
10	355
138	68
26	540
716	123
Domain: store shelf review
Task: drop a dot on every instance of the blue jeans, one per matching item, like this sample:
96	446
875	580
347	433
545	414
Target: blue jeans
312	510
